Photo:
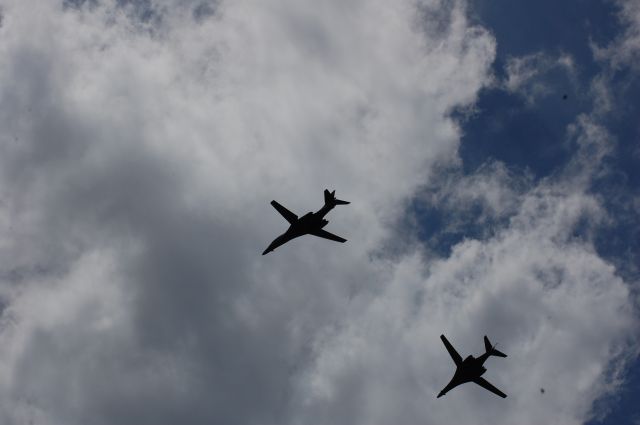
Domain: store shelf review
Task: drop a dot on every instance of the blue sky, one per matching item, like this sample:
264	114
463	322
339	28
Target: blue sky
531	137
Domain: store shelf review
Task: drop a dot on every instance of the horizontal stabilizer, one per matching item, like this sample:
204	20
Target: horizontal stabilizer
495	352
491	350
330	199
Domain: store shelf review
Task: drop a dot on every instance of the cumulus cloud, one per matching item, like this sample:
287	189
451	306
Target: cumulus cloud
141	145
528	286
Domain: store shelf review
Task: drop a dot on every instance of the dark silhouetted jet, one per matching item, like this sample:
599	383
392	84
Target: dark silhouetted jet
471	369
309	224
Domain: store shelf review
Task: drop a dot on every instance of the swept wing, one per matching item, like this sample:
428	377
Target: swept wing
452	351
487	386
324	234
288	215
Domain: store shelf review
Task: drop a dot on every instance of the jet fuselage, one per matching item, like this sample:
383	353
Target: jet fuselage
471	368
310	223
306	224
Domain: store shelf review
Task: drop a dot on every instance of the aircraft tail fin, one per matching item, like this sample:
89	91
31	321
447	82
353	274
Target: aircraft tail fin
330	199
491	349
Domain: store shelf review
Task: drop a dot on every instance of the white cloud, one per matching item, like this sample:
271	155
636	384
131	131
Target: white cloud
155	144
528	74
536	287
625	50
141	146
494	187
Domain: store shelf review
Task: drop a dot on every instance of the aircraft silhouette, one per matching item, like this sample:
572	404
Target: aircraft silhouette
471	369
309	224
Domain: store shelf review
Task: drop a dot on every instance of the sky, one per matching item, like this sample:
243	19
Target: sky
143	140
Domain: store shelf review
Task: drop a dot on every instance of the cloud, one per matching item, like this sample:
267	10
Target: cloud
494	188
529	75
527	285
624	50
619	60
141	149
